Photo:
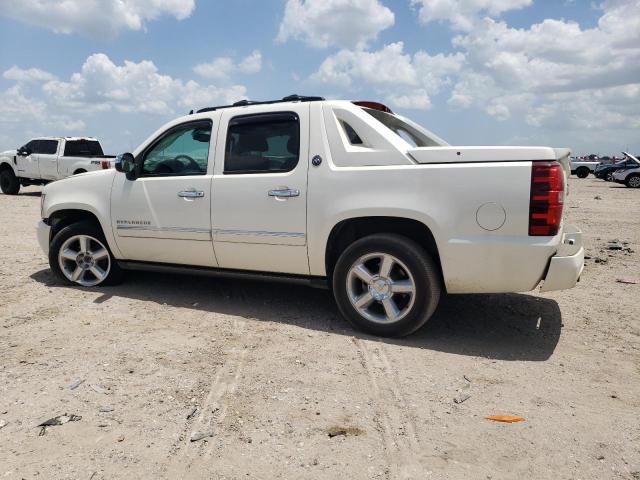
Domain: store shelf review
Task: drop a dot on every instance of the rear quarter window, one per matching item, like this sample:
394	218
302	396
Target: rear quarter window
82	148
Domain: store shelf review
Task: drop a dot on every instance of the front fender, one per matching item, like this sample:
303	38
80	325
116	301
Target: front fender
90	193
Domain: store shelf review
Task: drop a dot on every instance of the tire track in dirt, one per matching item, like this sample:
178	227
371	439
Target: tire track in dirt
393	417
186	456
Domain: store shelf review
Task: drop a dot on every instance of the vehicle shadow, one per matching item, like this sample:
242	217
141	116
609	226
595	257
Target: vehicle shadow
496	326
25	194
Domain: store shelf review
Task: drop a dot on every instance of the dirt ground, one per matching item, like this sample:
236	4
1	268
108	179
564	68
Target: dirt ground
286	389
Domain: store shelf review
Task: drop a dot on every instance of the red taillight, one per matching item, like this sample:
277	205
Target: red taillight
373	105
105	164
547	195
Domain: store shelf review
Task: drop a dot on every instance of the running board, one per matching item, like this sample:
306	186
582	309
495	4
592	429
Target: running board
315	282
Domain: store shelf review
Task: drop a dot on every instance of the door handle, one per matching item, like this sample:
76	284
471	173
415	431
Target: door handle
191	194
284	192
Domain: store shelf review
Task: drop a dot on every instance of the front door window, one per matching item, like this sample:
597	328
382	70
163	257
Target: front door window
183	150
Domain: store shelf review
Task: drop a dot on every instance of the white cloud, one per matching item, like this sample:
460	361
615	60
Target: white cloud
463	14
17	109
555	74
35	75
101	86
342	23
416	100
404	79
95	18
100	93
223	67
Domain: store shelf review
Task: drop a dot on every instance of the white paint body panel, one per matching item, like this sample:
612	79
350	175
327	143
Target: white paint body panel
591	165
252	230
238	226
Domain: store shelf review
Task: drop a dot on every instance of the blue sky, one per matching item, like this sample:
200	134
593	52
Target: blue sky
541	72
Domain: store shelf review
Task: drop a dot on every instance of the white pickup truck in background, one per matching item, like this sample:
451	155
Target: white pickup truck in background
43	160
337	193
582	168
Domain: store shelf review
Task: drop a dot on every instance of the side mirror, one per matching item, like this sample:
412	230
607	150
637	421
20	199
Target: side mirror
23	152
126	163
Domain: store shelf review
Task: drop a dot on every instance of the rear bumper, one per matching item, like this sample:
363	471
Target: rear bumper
43	231
567	264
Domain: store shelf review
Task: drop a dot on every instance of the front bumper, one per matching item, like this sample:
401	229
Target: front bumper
43	231
567	264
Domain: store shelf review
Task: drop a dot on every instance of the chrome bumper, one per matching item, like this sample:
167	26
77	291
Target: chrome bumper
567	264
43	236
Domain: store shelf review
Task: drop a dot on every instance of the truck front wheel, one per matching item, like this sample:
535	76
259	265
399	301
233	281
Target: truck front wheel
386	284
9	183
79	254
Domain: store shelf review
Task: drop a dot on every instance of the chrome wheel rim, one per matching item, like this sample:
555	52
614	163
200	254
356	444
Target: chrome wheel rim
381	288
634	182
84	260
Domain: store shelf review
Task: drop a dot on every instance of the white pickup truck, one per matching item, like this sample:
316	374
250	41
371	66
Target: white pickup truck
582	168
336	193
45	159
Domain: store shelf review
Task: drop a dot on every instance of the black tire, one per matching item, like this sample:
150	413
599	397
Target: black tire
79	171
422	268
582	172
115	273
608	177
633	181
9	183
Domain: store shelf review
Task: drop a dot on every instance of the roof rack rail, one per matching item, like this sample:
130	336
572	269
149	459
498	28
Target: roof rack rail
244	103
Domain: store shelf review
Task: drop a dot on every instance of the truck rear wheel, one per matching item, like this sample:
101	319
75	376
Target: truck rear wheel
386	284
9	183
582	172
79	255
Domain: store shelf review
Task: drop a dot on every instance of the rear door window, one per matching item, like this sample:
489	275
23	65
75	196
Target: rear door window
49	147
262	143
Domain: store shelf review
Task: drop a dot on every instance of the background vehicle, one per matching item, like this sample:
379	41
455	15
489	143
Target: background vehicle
582	168
45	159
630	177
334	193
605	172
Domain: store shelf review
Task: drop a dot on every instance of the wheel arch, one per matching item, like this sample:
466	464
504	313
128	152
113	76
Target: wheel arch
6	165
349	230
62	218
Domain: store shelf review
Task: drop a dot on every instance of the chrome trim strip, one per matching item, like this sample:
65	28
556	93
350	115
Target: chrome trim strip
163	229
258	233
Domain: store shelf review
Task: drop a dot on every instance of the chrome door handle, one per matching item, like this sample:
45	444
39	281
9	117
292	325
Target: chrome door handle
191	194
284	192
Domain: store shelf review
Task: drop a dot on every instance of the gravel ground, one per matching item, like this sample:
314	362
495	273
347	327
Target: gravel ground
285	389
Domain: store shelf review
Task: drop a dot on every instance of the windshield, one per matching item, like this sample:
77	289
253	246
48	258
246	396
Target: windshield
409	133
